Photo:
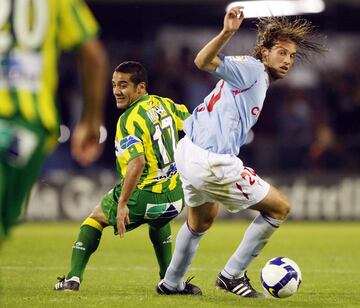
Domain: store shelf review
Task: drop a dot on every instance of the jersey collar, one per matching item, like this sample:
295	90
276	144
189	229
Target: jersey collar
141	99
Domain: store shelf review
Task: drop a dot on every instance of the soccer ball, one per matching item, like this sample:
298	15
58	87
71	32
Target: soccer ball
281	277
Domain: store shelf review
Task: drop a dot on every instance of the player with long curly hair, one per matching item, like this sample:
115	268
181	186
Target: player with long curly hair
206	157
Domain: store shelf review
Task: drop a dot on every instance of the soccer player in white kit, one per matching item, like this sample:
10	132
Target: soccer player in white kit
206	157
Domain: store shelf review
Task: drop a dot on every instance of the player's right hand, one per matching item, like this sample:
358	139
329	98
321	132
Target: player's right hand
122	219
85	146
233	19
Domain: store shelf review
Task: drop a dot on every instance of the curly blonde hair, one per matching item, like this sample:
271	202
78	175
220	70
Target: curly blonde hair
300	31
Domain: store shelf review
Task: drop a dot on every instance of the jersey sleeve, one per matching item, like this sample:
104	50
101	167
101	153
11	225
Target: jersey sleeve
180	112
76	24
239	71
128	142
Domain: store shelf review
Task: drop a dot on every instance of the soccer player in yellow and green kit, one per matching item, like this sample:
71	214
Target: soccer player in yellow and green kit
32	35
150	189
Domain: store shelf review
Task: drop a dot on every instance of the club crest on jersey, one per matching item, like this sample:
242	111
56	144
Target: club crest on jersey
255	111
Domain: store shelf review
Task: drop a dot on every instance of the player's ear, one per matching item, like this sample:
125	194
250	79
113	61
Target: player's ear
264	54
141	87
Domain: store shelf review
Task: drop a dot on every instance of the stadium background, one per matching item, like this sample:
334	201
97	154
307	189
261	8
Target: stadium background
307	140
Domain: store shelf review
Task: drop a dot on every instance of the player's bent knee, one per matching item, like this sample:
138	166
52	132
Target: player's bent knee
200	226
275	205
282	208
279	211
285	209
207	223
200	219
99	216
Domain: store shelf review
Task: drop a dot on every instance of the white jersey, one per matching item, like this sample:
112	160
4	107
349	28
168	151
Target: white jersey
221	123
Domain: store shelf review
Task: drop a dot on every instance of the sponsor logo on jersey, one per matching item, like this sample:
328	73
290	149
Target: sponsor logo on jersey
128	141
238	91
125	143
163	210
166	173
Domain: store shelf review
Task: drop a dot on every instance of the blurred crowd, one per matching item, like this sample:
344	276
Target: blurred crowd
301	128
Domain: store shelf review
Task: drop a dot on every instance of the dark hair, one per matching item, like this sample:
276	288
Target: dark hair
135	69
300	31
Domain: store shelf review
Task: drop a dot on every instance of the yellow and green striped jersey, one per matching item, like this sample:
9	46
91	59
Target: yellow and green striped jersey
150	127
32	34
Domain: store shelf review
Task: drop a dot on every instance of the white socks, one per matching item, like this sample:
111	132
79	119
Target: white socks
255	238
187	242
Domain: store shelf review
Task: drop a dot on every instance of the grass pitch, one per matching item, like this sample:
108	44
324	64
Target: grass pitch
123	272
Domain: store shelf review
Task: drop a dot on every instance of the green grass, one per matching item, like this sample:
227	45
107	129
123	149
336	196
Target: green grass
123	272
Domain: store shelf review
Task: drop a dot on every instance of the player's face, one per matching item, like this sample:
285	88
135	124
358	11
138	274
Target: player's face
125	91
279	59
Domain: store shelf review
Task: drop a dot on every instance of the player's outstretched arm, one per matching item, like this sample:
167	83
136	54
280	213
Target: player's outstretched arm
132	177
85	146
207	59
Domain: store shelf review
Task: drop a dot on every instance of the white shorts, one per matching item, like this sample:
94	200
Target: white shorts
212	177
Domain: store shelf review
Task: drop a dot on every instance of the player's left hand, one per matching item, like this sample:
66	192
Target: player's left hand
85	146
122	218
233	19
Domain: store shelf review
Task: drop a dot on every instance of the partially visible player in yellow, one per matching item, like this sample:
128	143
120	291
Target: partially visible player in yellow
32	35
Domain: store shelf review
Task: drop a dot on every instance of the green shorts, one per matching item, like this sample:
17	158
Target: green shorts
21	158
144	207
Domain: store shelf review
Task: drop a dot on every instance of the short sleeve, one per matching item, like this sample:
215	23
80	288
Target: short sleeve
239	71
76	24
128	143
180	112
